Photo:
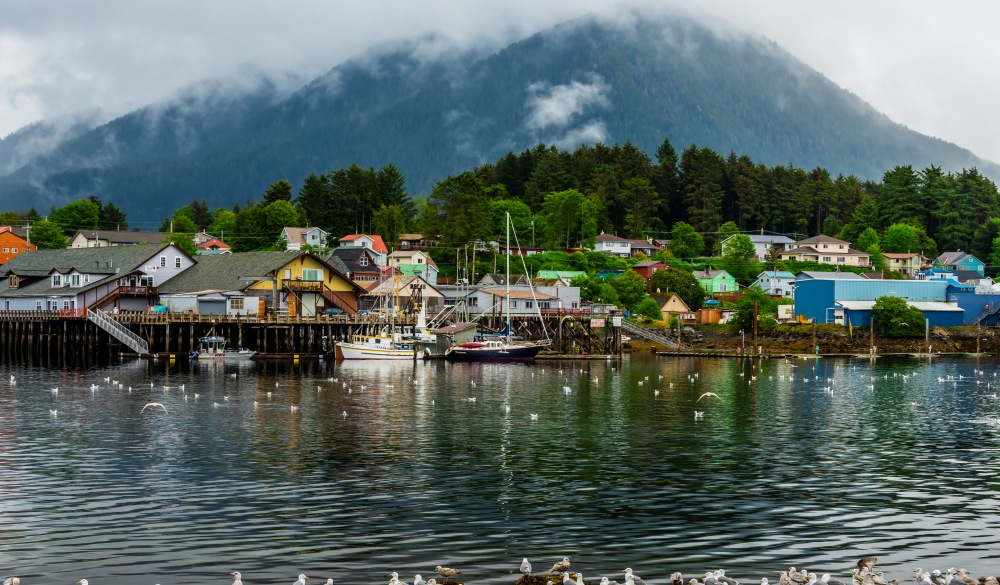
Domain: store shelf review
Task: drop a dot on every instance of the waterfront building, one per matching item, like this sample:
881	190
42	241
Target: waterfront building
846	301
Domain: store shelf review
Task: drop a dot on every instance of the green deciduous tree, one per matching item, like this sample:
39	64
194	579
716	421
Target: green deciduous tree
389	223
76	216
681	282
685	242
47	235
630	288
892	317
649	308
184	242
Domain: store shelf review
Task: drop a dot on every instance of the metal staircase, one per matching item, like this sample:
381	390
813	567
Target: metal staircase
118	331
648	334
987	311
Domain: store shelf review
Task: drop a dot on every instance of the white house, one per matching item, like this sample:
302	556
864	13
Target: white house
373	243
776	283
124	278
613	245
762	244
296	237
415	263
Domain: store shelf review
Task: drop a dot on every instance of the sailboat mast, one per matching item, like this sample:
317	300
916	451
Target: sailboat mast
506	300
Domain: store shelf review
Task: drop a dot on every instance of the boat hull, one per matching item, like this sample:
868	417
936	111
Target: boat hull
521	353
357	351
229	356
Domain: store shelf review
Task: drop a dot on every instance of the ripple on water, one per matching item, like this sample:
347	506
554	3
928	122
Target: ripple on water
778	472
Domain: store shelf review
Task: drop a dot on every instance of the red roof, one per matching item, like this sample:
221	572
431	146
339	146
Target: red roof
377	244
219	244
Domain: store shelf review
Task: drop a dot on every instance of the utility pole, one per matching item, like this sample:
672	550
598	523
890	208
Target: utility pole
755	324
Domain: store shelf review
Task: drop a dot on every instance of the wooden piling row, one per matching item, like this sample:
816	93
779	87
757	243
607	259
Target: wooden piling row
36	338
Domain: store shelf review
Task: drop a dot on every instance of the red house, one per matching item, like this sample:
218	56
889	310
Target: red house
646	269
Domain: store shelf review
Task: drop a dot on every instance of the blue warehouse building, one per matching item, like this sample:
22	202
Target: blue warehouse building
847	300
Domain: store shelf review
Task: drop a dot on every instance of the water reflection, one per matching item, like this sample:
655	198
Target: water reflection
814	463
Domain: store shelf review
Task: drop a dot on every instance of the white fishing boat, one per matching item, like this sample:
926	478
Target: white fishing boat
213	347
381	346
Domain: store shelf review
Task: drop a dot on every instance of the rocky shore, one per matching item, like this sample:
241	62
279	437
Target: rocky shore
801	340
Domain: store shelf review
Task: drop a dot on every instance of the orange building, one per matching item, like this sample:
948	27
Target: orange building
12	244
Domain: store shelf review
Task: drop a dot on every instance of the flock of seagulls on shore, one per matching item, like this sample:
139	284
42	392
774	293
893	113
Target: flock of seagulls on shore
863	574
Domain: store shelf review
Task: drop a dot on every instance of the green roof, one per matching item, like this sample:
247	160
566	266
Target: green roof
568	274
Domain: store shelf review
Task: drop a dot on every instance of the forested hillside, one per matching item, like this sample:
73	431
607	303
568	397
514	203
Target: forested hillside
432	115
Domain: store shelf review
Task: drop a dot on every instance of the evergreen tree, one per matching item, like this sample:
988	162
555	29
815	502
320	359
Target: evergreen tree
278	191
313	199
641	203
702	173
900	198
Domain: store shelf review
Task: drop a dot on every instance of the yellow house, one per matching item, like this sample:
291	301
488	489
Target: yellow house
672	304
306	286
266	282
906	264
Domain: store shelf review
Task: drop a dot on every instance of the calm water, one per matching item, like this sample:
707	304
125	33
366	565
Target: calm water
779	471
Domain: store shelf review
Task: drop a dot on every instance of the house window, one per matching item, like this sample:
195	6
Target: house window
163	261
288	274
722	287
528	305
86	278
311	274
544	304
65	304
841	259
6	250
825	246
363	261
14	250
177	262
420	260
38	305
56	280
513	304
236	303
76	280
827	259
575	305
12	281
473	301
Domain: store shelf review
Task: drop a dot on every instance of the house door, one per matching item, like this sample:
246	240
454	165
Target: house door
309	305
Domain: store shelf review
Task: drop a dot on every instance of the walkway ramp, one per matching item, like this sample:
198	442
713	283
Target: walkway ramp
118	331
648	334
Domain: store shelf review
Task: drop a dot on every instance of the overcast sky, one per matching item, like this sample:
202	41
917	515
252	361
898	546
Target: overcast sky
930	65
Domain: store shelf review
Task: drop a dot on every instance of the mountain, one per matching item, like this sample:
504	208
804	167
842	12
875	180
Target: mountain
435	113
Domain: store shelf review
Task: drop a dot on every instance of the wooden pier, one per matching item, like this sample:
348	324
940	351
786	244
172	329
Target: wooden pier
60	338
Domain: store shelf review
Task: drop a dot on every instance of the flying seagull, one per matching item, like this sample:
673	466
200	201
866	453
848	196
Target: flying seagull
707	394
153	405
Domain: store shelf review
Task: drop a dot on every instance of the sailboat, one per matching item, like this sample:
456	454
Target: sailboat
385	343
504	347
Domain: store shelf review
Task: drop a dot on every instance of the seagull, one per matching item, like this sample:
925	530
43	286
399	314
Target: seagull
447	571
534	416
55	391
17	581
825	578
707	394
237	578
605	581
629	575
867	563
525	567
344	414
329	581
301	580
562	565
54	412
153	405
699	413
418	580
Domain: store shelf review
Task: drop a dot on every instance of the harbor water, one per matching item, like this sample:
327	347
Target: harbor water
354	470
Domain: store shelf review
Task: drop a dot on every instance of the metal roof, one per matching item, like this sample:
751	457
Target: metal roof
924	306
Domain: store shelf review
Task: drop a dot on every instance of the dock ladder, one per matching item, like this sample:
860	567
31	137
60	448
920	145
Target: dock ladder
118	331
